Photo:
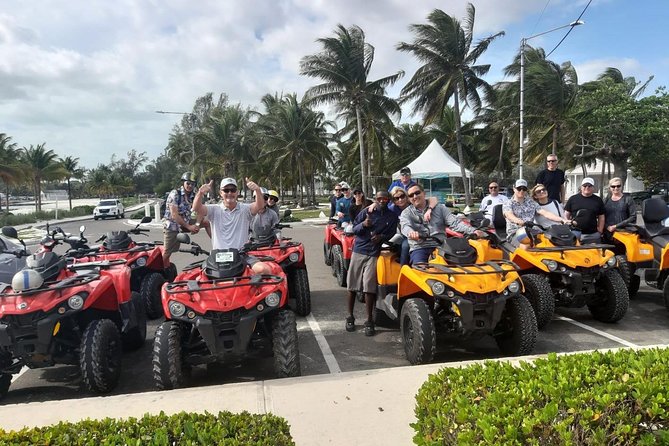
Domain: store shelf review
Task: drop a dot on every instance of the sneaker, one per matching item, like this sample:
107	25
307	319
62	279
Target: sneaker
350	323
369	328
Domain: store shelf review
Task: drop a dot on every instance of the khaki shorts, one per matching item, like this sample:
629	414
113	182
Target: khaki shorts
170	243
362	273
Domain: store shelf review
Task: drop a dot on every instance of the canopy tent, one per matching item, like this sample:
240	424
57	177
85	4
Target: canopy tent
435	163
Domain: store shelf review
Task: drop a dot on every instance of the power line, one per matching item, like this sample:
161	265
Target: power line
540	16
570	29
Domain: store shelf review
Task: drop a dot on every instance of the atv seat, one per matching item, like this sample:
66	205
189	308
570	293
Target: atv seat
653	211
224	264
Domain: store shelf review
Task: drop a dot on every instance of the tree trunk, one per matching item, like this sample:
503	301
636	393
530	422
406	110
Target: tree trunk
69	192
362	151
500	161
601	181
461	156
556	131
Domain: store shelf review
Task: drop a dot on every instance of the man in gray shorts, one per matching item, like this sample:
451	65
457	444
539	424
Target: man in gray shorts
371	229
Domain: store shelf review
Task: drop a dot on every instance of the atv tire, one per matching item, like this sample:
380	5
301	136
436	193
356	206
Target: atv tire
150	291
338	265
418	332
540	295
171	272
518	327
168	368
626	271
327	254
135	336
612	297
298	289
285	345
5	382
100	356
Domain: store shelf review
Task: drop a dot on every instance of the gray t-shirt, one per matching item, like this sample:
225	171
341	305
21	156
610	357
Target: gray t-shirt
229	228
262	225
440	219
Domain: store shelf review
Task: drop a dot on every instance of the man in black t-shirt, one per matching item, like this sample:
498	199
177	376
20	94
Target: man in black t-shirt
591	222
552	178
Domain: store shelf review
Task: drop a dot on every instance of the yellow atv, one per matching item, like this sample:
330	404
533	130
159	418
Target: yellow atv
558	271
455	292
645	247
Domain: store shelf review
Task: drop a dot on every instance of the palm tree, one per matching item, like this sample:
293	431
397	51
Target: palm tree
9	171
72	170
344	65
41	164
634	88
444	46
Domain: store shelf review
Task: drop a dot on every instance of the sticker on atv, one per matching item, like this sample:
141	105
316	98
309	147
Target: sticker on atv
225	257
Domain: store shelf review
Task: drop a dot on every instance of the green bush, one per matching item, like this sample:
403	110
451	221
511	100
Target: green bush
613	398
15	220
138	215
225	428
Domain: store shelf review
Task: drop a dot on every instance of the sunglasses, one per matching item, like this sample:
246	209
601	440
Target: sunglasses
190	183
551	161
415	194
522	189
357	193
381	199
587	185
337	190
273	198
265	197
540	191
399	197
229	191
344	188
492	187
405	174
616	186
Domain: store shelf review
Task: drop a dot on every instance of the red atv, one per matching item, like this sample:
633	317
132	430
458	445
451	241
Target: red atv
337	249
290	256
145	260
55	313
219	310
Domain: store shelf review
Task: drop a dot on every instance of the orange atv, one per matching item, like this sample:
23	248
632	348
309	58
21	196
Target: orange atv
646	247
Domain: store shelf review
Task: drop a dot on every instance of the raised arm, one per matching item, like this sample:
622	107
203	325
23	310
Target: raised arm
198	203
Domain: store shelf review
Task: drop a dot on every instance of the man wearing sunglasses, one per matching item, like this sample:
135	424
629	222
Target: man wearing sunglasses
177	215
262	225
344	204
273	201
588	211
231	220
371	229
333	200
415	228
405	181
553	178
521	209
492	199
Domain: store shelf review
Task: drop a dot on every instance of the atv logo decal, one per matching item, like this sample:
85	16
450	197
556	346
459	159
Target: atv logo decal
644	251
22	306
587	260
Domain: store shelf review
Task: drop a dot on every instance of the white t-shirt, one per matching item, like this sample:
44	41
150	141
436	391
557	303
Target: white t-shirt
229	228
489	202
553	206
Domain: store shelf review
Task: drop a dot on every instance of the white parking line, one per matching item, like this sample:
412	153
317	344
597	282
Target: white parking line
599	332
24	369
330	360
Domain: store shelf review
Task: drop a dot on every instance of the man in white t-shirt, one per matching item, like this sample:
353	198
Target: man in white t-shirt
231	220
492	199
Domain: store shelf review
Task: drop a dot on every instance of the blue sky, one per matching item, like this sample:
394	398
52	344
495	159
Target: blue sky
85	77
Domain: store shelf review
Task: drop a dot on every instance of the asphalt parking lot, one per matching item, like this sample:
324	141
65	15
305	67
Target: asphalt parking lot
325	346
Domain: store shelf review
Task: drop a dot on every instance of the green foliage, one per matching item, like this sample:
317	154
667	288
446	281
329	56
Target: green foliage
20	219
613	398
225	428
138	215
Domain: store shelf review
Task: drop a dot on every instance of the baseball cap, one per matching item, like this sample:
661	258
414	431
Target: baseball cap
405	170
587	180
520	183
228	182
344	185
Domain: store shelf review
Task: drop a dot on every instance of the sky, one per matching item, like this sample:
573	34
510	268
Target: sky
86	77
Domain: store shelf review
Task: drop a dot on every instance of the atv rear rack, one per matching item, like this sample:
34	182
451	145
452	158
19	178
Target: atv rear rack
496	265
193	286
68	282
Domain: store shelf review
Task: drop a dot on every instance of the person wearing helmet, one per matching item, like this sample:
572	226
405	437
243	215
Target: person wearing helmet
262	225
273	201
177	215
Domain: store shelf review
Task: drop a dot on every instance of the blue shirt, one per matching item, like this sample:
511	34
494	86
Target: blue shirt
384	224
400	184
344	205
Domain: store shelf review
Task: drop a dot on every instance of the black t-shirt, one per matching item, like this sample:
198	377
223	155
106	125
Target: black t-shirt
593	203
553	180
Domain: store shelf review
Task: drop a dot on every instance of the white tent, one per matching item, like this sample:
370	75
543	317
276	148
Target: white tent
433	163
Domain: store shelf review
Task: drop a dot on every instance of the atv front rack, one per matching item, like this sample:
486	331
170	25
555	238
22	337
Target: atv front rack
273	247
496	265
68	282
571	248
194	286
101	264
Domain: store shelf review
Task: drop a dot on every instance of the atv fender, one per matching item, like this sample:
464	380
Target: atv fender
636	250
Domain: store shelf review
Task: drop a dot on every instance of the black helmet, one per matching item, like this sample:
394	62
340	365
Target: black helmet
189	176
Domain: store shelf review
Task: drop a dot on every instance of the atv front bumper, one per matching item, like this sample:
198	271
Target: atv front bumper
29	337
479	315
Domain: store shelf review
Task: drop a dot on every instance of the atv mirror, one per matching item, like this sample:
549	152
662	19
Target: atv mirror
416	218
10	231
146	219
82	228
182	237
485	223
449	204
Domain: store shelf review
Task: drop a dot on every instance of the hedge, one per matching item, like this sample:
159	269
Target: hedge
20	219
226	428
611	398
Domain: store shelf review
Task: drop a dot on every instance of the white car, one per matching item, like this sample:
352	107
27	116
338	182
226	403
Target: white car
112	208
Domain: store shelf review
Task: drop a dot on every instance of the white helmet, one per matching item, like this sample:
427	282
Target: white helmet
27	279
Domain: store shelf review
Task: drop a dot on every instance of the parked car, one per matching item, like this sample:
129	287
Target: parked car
112	208
659	190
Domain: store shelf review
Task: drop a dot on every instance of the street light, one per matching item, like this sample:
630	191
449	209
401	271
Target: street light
523	42
191	128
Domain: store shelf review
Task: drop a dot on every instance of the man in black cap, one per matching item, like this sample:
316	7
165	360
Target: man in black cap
405	181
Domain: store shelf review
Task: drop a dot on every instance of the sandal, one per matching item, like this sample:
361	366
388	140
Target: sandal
350	323
369	328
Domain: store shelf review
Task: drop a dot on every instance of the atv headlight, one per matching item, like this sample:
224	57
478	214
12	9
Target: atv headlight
294	257
141	261
514	287
177	309
612	261
438	287
273	299
552	265
76	302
